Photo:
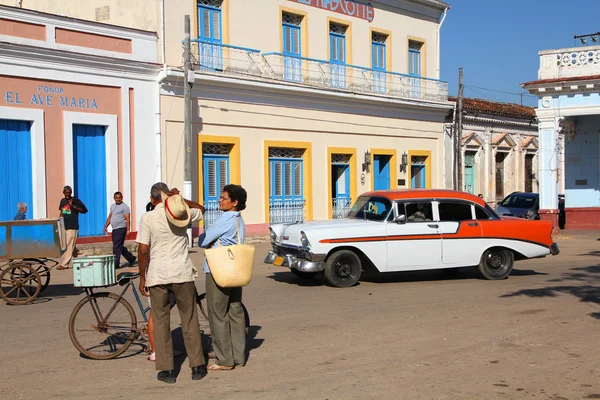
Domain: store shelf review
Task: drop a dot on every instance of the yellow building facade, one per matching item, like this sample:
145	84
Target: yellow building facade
305	103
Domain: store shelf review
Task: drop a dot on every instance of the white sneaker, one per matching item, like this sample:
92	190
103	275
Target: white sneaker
152	357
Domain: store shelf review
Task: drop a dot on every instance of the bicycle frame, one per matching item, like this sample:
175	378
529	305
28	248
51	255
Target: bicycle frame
89	292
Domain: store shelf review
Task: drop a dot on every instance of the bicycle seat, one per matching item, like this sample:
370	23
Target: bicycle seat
125	277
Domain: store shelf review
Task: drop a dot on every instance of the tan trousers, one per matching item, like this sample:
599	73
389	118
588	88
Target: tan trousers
66	260
185	298
227	323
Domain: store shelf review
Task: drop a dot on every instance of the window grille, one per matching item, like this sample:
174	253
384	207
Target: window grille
413	45
285	152
340	158
418	160
210	3
337	28
291	19
379	37
215	148
469	159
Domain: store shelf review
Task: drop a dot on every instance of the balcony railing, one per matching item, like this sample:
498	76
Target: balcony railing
226	59
281	211
212	213
240	61
340	208
569	62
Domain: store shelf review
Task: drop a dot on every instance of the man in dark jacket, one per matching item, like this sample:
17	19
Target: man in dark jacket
70	207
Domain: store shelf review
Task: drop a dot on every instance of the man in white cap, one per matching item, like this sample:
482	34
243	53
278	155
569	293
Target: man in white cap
166	268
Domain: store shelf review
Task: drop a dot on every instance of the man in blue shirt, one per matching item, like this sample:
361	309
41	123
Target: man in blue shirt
120	220
22	210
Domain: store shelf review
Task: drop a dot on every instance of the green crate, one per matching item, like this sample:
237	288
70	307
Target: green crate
94	271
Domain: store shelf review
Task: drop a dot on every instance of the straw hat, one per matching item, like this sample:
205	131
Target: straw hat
176	209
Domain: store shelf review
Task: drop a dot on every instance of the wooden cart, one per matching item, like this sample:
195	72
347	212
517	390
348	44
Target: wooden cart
27	249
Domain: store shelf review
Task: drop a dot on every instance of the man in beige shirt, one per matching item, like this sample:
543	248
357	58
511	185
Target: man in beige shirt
166	268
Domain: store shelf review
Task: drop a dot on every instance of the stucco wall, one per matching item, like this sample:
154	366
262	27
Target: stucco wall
582	159
138	14
254	122
256	24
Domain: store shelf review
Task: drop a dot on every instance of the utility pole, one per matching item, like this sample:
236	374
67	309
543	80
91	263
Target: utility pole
459	128
187	116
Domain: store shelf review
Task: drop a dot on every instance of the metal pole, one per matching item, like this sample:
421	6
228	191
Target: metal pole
187	117
459	128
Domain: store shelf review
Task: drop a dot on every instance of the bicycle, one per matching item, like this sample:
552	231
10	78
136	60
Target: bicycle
113	322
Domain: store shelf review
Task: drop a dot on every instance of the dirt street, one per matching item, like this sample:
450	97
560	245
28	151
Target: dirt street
404	336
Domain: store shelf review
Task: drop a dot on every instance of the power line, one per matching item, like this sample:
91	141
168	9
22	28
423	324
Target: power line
500	91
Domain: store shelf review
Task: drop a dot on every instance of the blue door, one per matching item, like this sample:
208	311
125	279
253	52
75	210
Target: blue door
337	55
292	48
216	176
414	67
15	162
381	171
340	190
378	49
418	174
286	188
210	52
89	159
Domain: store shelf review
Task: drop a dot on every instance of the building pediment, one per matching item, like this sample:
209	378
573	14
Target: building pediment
503	140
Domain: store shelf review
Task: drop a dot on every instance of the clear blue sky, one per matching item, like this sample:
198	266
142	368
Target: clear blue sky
497	42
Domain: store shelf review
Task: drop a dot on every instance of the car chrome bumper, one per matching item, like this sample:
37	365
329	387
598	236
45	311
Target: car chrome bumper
296	263
554	250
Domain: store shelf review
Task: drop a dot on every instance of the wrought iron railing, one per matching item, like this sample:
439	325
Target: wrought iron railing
212	213
226	59
324	74
340	208
234	60
281	211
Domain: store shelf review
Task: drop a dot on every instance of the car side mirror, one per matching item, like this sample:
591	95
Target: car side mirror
400	219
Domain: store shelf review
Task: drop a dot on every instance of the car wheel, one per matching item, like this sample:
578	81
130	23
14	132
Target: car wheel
343	269
304	275
496	263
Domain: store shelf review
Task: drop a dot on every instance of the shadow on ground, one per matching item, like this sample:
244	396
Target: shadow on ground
389	277
582	283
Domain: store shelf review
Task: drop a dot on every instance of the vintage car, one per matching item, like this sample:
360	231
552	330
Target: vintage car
409	230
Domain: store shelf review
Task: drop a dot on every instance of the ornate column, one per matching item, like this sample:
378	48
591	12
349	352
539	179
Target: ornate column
548	171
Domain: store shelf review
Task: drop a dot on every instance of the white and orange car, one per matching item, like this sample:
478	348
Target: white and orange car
408	230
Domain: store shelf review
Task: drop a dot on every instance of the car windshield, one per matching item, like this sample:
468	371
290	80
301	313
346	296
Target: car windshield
371	208
519	201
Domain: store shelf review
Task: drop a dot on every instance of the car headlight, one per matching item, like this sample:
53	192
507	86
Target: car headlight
304	240
273	234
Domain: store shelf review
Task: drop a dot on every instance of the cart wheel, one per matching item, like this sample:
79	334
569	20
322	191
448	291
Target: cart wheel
20	284
42	269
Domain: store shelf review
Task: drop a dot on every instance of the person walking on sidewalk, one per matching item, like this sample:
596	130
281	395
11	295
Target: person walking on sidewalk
70	207
165	268
120	220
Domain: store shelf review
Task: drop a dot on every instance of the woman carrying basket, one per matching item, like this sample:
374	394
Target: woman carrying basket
225	312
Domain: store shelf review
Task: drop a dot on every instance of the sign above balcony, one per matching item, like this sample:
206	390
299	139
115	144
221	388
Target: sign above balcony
352	8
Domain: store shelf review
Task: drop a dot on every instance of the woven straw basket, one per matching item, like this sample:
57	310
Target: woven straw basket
231	266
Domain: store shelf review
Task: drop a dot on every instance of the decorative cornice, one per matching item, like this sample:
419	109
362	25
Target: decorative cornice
173	84
22	55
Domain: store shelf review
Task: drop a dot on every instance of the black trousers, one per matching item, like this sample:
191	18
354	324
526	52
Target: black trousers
118	239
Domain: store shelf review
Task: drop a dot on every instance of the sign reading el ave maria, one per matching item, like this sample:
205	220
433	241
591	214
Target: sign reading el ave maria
352	8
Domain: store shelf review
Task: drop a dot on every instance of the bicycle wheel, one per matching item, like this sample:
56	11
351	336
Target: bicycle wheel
97	335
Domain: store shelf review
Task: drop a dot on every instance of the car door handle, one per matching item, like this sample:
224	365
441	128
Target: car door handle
433	226
473	224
